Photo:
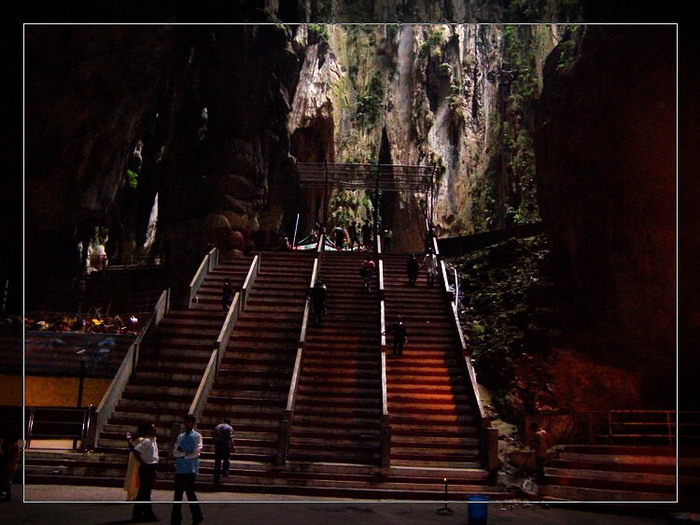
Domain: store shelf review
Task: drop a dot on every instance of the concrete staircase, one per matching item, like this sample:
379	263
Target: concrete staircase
255	374
431	415
171	364
338	406
334	447
612	473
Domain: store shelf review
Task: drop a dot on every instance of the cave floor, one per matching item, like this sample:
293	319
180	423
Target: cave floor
251	509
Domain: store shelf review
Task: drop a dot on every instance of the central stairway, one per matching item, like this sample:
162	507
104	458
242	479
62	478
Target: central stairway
338	407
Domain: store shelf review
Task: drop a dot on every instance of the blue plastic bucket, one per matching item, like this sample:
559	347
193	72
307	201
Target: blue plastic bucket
477	509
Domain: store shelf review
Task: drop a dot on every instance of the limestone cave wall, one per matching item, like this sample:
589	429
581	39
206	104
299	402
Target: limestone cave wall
606	169
206	106
458	97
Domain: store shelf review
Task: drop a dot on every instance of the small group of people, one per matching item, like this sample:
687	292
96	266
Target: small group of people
143	463
430	263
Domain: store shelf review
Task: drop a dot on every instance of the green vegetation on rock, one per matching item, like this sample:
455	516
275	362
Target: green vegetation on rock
369	102
498	284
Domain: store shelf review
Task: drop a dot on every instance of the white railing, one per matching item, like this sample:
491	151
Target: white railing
116	388
250	280
489	444
205	385
219	346
209	261
285	429
384	427
213	258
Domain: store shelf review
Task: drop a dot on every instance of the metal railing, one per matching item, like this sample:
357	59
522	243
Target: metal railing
116	388
610	426
489	435
58	423
209	261
285	428
384	425
250	280
219	347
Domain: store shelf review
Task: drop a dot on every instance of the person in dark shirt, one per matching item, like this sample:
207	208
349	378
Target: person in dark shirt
226	295
318	301
352	233
223	446
398	330
412	268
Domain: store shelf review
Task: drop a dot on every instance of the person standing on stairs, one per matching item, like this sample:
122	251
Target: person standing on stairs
541	444
388	235
188	447
145	450
430	263
352	233
412	267
318	301
223	446
367	235
366	271
226	295
398	330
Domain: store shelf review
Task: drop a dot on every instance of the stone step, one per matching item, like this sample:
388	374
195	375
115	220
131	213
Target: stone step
574	493
401	431
233	402
434	463
606	476
427	420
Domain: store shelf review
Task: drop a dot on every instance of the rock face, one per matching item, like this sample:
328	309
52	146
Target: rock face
218	157
606	183
455	97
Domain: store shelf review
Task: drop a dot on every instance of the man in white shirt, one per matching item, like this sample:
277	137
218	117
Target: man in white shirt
146	453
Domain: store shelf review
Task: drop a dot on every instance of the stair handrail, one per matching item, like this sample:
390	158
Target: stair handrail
250	280
116	388
219	347
384	426
489	435
208	262
285	428
205	384
214	254
214	363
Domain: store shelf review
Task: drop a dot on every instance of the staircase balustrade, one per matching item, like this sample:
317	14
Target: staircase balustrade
384	426
285	430
210	260
489	445
116	388
213	258
197	280
249	280
219	347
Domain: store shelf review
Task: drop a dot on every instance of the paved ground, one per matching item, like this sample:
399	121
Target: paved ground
249	509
